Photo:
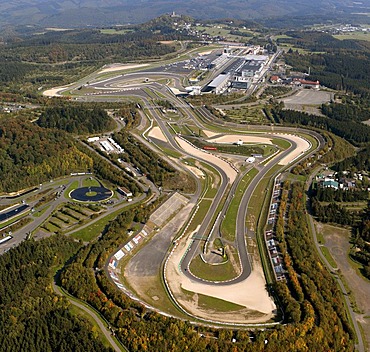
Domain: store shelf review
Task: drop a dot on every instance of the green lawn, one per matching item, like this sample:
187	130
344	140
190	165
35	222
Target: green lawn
90	182
171	152
327	255
41	211
115	31
71	187
204	206
282	143
220	305
228	227
353	36
94	230
205	271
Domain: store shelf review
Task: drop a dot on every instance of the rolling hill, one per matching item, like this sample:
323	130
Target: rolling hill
77	13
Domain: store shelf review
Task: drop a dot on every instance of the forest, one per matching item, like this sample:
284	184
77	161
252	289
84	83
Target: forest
152	165
355	132
30	155
311	295
338	195
33	318
77	119
337	64
358	162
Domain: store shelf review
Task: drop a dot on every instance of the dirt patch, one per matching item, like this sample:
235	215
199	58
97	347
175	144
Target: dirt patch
197	172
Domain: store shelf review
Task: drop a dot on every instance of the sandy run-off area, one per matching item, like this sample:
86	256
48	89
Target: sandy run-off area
233	138
121	67
54	92
157	133
302	146
210	134
250	293
200	154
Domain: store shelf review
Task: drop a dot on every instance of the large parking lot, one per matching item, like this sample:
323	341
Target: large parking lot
165	211
308	97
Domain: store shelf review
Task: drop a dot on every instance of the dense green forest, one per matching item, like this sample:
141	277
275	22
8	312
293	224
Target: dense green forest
338	195
350	130
337	64
311	296
150	163
32	317
77	119
30	155
333	213
358	162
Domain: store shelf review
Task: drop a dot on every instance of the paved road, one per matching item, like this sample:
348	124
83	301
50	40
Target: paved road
94	315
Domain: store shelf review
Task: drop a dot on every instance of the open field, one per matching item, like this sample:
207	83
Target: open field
337	242
252	114
209	272
354	36
228	226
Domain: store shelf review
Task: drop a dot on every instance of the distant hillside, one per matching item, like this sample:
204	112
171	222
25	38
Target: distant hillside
73	13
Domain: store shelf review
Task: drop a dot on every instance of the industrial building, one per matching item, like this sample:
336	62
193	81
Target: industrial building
219	84
245	75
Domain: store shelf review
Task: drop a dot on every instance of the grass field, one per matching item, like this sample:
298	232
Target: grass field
214	304
90	182
353	36
252	114
71	187
204	206
327	255
115	31
258	198
209	272
228	227
282	143
94	230
41	211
